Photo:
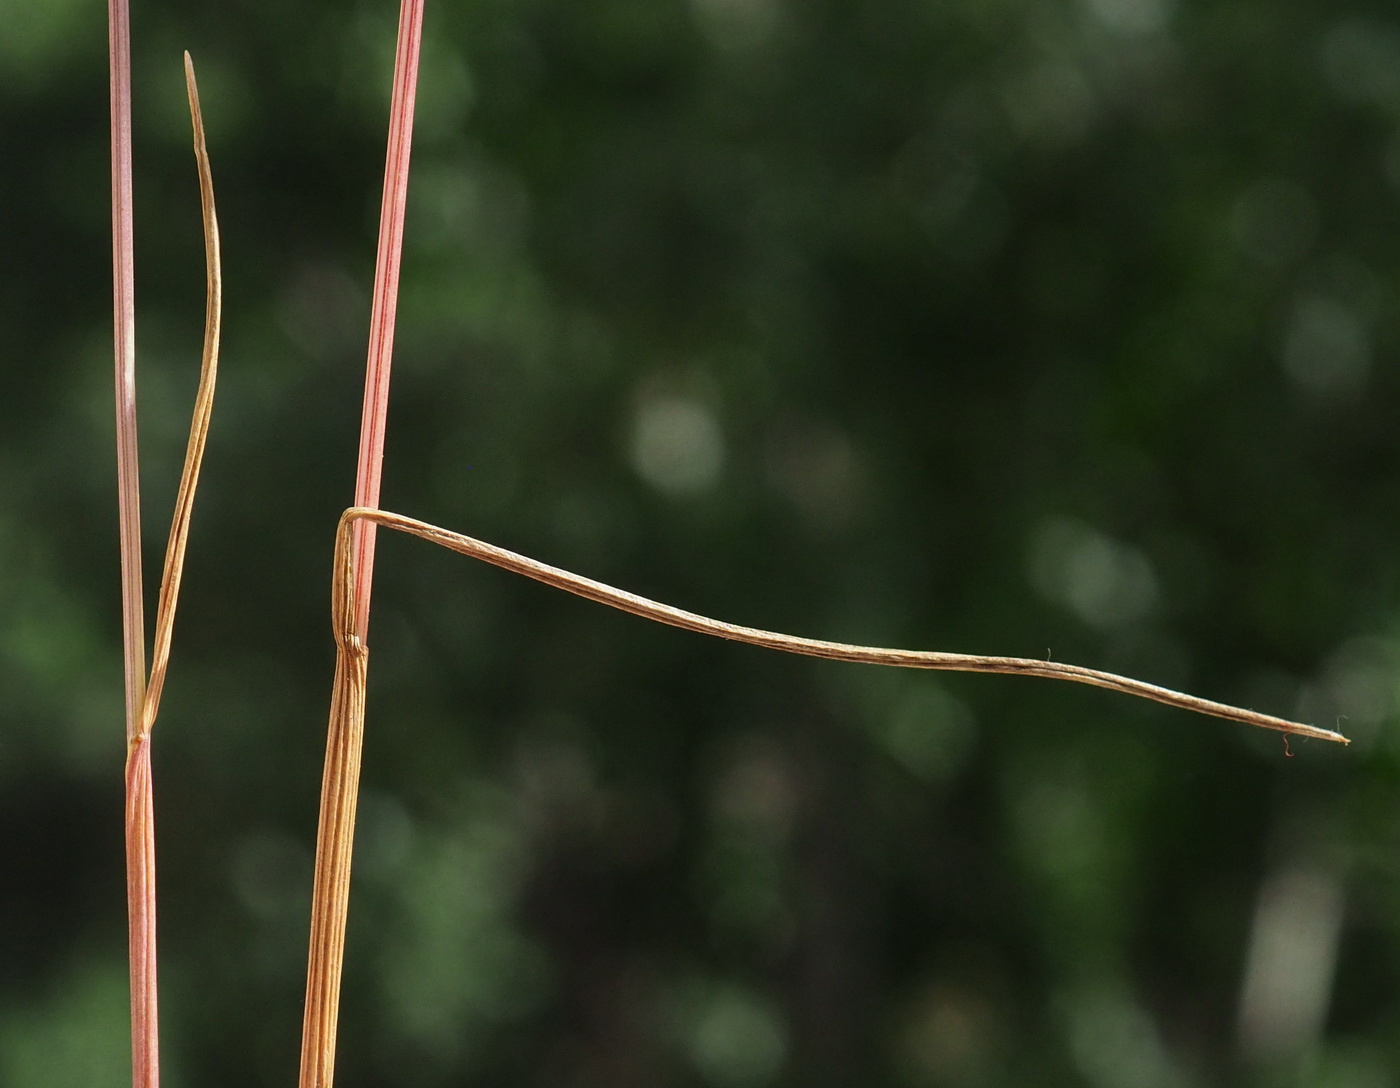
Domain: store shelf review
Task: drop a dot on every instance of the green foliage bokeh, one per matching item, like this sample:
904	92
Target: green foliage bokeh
1061	328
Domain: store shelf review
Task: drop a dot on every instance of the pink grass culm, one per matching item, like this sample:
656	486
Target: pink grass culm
143	693
340	780
140	827
386	297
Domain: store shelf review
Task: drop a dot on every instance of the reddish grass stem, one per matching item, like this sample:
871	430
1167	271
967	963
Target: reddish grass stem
143	694
340	781
141	916
124	337
385	304
139	825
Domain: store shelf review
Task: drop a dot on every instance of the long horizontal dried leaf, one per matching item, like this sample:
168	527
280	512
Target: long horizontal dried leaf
773	640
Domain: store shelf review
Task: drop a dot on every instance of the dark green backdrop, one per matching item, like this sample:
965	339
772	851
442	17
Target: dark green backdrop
1039	327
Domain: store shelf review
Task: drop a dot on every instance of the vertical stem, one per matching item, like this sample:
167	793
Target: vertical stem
124	337
385	306
141	916
334	843
139	823
355	568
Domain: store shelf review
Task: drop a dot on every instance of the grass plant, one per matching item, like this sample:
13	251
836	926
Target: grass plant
143	692
352	580
353	577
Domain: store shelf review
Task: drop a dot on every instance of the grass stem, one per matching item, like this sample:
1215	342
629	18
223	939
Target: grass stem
385	303
143	694
341	777
138	824
124	337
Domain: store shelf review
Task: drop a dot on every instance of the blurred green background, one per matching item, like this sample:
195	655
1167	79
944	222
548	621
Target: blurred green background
1038	327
